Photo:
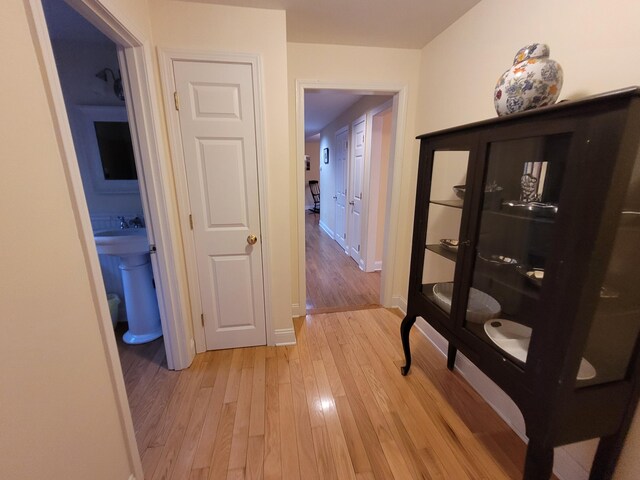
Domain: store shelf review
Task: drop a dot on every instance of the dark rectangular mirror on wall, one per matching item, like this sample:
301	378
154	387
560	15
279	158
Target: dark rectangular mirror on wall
116	150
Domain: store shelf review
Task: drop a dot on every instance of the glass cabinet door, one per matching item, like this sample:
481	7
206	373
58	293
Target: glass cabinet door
615	321
520	201
447	193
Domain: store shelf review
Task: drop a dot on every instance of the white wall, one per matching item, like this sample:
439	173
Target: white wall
374	66
595	41
213	28
59	414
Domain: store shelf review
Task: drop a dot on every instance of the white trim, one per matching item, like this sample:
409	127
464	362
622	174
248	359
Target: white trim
284	336
166	57
327	230
370	222
392	211
399	303
156	193
297	310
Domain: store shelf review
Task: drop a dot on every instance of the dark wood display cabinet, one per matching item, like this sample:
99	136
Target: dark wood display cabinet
526	258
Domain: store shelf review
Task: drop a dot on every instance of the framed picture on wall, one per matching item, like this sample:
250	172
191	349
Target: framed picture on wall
325	155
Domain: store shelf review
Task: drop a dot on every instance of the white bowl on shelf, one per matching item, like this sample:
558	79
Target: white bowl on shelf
513	338
480	307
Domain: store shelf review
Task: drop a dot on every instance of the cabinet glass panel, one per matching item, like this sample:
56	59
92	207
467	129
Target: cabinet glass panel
616	319
521	192
446	199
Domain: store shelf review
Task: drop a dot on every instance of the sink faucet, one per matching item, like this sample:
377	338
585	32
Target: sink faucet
136	222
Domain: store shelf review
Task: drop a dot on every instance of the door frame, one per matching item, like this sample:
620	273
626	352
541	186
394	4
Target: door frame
400	95
134	56
368	187
166	57
143	111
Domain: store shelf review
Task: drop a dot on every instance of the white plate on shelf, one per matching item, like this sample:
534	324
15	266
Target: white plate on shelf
513	338
480	307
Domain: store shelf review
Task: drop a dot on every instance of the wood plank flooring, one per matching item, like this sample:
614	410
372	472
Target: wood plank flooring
334	281
334	406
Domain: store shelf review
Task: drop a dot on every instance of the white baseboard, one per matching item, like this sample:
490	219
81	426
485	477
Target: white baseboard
284	336
298	311
326	229
571	462
399	302
377	265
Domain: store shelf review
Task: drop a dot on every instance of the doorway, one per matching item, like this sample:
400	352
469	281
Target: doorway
91	80
156	201
343	257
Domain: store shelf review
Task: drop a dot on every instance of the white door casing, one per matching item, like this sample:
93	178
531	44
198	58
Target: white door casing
340	169
218	129
356	183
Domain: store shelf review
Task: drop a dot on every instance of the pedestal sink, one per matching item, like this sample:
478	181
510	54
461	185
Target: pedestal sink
132	247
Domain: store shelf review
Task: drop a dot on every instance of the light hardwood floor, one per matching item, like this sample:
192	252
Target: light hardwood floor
334	406
334	281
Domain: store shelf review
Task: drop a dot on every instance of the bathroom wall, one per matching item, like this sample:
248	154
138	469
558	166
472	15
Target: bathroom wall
77	63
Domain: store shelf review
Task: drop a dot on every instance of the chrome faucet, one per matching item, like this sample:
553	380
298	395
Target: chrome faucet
136	222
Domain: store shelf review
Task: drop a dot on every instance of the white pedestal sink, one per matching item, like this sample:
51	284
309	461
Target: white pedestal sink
132	247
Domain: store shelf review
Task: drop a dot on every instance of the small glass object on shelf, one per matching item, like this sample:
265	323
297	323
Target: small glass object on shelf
450	244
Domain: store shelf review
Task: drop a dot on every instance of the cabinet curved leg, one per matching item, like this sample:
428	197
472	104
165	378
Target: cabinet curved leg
405	328
538	464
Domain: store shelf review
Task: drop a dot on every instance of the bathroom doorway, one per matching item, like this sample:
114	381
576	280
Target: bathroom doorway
157	204
91	80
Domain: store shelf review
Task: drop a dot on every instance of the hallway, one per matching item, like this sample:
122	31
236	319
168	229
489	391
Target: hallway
334	281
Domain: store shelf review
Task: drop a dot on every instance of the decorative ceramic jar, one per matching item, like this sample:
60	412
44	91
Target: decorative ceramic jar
533	81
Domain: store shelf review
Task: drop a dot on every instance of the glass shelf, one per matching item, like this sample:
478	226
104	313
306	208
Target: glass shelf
449	203
440	250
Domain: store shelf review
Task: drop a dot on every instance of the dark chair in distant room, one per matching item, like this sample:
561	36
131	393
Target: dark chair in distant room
314	187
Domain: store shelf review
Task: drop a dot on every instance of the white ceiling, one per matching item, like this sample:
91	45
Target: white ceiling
321	108
375	23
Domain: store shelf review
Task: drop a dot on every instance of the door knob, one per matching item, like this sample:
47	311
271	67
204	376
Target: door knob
252	239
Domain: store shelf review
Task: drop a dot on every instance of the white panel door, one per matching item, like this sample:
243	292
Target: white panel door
357	186
217	125
340	169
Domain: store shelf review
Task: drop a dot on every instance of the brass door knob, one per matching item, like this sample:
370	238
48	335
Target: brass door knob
252	239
